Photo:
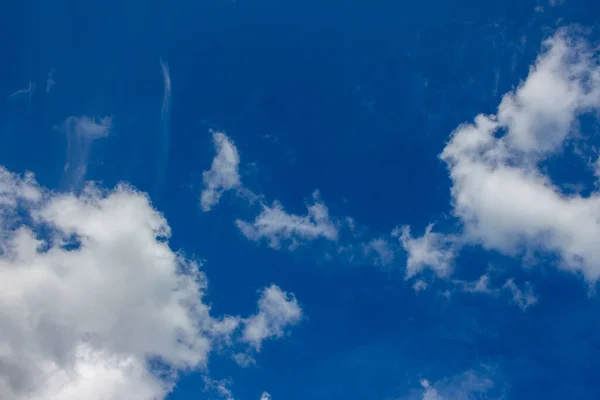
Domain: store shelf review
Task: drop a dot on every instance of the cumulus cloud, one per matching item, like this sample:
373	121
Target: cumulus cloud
499	192
432	250
276	225
93	298
276	311
265	396
223	174
80	133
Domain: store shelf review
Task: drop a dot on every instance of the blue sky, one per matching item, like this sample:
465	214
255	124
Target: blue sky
299	200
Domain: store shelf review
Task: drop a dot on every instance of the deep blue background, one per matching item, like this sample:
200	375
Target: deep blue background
353	98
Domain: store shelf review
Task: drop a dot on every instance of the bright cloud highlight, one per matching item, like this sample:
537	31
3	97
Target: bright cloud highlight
92	292
223	174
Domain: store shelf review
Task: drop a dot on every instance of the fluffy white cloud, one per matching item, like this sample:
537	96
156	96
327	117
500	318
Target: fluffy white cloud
265	396
432	250
90	292
276	311
276	225
499	192
223	174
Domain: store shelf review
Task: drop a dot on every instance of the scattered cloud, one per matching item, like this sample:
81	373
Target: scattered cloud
276	311
223	174
91	293
481	285
244	360
499	193
382	250
219	387
523	298
419	285
276	225
469	385
265	396
432	250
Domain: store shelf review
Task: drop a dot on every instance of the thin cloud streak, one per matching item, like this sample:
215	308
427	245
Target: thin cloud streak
165	134
23	92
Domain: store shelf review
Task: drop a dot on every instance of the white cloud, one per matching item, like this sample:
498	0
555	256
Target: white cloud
481	285
523	298
165	137
499	193
419	285
220	387
276	311
432	250
244	360
265	396
167	89
466	386
430	393
382	250
91	291
27	92
80	133
276	225
223	174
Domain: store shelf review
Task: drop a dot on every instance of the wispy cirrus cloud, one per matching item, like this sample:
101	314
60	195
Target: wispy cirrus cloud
80	133
26	92
165	134
50	81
